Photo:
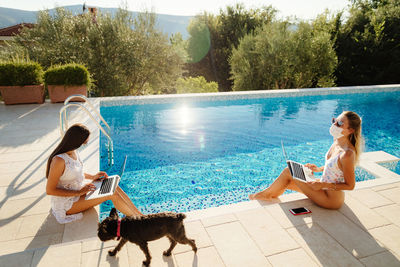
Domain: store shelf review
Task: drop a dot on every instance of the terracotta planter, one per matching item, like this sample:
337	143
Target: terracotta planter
22	94
58	93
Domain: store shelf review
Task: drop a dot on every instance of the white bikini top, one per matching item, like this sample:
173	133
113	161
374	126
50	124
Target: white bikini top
332	173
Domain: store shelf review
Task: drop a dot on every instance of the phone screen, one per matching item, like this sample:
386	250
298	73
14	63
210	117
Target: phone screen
299	210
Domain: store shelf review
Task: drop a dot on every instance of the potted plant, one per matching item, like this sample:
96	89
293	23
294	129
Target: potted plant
65	80
21	82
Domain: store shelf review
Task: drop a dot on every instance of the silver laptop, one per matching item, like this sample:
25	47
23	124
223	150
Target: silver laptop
106	187
297	170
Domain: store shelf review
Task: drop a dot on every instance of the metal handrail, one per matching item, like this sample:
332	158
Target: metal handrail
63	120
90	105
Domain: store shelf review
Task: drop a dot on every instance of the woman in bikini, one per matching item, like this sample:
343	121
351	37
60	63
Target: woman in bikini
338	172
65	180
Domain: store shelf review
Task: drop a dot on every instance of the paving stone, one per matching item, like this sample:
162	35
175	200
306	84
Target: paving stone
18	245
81	229
61	255
205	257
9	229
381	259
17	259
25	207
388	235
96	244
156	248
384	187
40	224
28	190
101	258
370	198
349	235
231	241
280	212
393	194
321	247
297	257
361	215
194	230
390	212
210	221
268	234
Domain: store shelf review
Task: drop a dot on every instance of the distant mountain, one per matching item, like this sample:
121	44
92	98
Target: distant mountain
167	23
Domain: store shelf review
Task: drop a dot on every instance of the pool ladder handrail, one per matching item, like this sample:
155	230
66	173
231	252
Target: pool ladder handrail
64	121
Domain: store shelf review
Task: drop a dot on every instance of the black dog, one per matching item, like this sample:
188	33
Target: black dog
140	230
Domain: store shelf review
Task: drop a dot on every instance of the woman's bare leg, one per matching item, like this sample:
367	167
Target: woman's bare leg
328	199
323	198
118	201
128	201
276	188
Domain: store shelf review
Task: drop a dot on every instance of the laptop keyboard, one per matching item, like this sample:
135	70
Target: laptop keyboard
298	171
106	186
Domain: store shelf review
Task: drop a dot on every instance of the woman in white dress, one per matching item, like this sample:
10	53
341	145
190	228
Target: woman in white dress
65	179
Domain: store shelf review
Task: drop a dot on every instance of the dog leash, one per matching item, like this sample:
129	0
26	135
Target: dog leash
119	229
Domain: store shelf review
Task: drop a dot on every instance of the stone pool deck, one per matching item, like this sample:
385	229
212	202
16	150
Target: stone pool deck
364	232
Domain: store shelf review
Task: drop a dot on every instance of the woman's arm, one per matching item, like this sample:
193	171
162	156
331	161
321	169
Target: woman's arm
97	176
314	168
57	167
347	162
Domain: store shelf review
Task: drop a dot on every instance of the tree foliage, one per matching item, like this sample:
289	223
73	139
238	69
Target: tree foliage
195	85
226	29
279	56
125	55
367	45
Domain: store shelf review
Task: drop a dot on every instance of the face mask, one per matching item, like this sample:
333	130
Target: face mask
335	131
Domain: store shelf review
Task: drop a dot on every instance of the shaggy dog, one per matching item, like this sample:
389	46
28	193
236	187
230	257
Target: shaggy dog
140	230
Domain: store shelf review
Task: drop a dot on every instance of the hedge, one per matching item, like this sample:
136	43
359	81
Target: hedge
20	73
69	74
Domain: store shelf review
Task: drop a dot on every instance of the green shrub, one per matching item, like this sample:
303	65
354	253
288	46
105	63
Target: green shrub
195	85
69	74
20	73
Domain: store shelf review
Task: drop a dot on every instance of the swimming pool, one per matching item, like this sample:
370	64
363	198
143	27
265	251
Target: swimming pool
195	154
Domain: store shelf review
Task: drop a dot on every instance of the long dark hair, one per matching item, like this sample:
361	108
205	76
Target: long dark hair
74	137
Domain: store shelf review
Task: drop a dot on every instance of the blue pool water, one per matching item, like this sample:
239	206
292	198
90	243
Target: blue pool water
195	155
394	166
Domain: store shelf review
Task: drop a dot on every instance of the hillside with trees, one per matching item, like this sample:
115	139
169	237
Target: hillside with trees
236	49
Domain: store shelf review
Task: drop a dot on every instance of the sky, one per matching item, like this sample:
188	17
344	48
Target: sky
302	9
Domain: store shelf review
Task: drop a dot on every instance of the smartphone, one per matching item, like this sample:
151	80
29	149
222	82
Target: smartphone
299	211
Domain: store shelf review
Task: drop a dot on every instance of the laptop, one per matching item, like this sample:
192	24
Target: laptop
297	170
106	187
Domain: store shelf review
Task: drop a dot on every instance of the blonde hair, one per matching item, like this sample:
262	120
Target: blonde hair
355	138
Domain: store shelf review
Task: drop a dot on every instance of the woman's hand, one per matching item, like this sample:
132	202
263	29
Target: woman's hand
312	167
87	188
100	176
316	185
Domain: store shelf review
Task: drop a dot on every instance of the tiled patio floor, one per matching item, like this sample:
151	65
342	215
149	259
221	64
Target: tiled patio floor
365	231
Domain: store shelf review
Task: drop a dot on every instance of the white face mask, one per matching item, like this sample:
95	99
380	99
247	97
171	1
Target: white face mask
335	131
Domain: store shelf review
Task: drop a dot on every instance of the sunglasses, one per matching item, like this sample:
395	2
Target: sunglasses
337	122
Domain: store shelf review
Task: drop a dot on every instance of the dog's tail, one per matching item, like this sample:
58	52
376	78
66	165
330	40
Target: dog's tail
180	216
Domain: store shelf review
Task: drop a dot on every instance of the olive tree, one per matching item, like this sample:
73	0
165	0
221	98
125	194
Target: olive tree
282	55
125	55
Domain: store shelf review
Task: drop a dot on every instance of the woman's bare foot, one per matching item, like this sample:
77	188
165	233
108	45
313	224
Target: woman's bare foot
259	196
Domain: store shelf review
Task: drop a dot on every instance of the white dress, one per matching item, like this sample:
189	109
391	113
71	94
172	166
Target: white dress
71	179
